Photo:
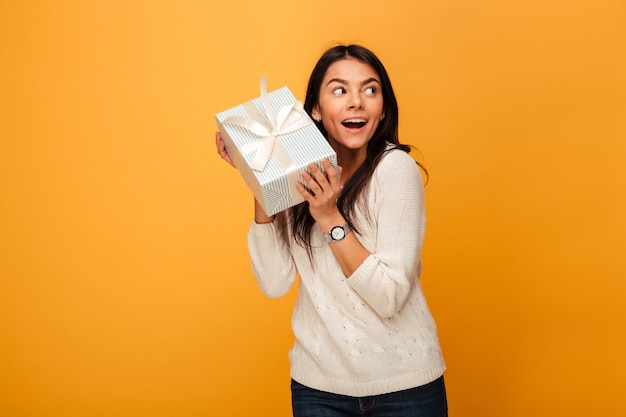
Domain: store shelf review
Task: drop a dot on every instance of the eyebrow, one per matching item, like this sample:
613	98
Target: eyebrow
341	81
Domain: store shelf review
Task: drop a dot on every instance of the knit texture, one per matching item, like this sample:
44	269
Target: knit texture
370	333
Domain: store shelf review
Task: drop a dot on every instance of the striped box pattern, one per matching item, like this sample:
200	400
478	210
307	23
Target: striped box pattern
274	186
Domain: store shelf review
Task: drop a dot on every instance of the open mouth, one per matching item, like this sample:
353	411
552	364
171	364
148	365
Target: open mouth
354	123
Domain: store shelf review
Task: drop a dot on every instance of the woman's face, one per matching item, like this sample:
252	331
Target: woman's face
350	105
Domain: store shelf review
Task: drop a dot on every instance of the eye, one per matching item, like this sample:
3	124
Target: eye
339	91
370	91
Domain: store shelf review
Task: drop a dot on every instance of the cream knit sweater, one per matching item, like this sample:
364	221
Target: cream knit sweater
370	333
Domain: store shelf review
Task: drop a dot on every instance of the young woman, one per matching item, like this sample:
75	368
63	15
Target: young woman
365	341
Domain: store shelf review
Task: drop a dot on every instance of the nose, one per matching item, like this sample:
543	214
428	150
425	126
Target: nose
355	102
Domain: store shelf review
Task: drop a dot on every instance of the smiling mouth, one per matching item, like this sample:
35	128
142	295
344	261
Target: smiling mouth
354	123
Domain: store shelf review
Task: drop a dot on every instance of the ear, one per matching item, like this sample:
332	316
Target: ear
315	113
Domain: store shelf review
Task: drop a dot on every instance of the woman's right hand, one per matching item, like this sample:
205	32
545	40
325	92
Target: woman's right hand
221	149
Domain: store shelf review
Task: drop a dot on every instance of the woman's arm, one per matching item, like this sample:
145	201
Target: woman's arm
325	189
259	214
386	277
272	264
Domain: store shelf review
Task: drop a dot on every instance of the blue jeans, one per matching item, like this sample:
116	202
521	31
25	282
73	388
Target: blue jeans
426	401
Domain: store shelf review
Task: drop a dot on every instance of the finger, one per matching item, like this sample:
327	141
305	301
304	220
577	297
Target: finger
312	183
319	175
331	172
221	146
219	143
221	149
305	193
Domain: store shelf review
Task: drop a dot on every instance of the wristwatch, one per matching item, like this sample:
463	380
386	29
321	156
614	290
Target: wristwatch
337	233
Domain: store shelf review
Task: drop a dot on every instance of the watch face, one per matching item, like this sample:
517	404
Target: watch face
337	233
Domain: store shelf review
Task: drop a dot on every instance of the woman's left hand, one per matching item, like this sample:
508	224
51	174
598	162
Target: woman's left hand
324	190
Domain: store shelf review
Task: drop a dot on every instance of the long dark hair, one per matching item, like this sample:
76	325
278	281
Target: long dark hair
298	219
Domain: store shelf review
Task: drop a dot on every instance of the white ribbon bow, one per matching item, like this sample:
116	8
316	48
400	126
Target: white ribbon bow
286	121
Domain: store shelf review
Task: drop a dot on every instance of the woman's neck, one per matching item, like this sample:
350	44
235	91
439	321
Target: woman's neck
349	161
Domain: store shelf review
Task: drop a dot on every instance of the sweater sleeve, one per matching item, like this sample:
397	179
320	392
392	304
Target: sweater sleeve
272	263
385	278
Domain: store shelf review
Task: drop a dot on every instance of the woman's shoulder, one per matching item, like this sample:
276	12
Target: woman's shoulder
397	160
396	176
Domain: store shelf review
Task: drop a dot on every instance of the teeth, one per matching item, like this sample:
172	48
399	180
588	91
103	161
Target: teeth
354	121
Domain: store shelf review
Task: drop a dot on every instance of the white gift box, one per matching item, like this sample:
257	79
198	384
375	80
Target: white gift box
271	141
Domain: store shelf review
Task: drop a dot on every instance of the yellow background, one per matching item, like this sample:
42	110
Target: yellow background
125	283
